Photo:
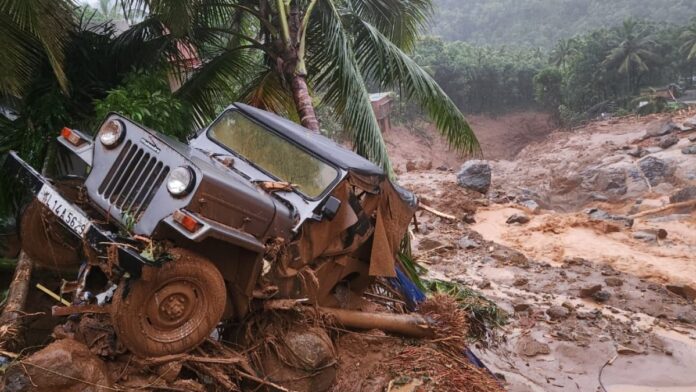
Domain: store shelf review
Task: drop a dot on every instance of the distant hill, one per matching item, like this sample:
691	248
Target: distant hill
541	23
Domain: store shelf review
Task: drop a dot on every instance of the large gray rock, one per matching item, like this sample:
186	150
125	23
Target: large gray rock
689	149
655	169
597	214
684	194
475	175
690	123
668	141
660	128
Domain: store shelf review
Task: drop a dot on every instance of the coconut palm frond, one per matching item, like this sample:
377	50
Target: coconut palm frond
343	86
400	21
382	61
31	31
211	84
266	91
688	37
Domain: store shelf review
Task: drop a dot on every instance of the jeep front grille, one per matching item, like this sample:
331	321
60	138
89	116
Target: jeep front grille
133	180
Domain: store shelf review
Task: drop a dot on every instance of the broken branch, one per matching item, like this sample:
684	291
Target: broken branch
669	207
11	317
436	212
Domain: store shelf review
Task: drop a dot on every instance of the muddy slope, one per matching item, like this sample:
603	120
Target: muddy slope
596	302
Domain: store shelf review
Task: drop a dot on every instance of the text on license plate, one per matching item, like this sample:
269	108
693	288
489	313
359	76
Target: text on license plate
63	209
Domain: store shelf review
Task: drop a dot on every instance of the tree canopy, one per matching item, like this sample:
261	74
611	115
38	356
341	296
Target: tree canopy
542	23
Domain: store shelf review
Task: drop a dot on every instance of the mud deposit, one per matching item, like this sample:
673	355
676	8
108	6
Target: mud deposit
595	301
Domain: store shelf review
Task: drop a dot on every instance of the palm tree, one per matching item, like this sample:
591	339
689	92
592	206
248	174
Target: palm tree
564	50
633	54
31	31
289	55
688	38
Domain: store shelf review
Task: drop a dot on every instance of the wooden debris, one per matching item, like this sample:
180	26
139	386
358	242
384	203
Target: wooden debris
51	294
11	317
436	212
669	207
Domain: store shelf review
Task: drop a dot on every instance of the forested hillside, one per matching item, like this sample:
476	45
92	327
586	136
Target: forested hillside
543	22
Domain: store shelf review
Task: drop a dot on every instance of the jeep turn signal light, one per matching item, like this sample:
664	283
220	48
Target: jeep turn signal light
186	221
71	136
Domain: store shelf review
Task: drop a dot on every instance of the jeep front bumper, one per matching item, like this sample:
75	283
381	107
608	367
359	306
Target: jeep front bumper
71	216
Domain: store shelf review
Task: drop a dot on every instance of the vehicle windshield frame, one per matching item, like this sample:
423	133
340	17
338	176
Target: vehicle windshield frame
265	127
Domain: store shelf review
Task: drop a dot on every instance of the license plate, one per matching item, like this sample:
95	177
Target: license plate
63	209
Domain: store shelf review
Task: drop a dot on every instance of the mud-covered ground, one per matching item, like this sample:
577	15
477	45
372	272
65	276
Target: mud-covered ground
594	303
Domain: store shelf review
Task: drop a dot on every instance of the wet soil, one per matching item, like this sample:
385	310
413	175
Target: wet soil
589	301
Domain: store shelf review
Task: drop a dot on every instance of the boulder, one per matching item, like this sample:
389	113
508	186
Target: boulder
689	150
557	312
590	290
521	307
67	357
520	282
690	123
668	141
597	214
686	292
655	169
638	152
468	243
660	128
427	244
530	347
613	281
644	236
684	194
531	205
692	138
601	296
517	218
475	175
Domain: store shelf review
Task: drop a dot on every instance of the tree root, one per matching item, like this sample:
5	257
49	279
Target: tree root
11	319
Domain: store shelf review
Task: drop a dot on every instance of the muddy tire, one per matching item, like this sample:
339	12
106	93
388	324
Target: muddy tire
172	310
46	241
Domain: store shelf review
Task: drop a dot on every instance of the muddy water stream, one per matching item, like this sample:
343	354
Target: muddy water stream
551	237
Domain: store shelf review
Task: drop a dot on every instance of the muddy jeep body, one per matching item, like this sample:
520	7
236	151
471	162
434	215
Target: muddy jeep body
266	237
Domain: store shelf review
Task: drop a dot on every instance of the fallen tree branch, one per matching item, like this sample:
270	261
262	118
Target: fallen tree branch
436	212
11	317
669	207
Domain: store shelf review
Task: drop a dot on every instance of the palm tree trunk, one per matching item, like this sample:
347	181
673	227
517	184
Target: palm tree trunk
303	103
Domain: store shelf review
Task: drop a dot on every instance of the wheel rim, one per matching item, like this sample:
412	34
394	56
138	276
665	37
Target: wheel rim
174	310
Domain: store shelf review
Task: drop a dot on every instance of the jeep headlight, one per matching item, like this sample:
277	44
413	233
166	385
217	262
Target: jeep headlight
112	133
181	181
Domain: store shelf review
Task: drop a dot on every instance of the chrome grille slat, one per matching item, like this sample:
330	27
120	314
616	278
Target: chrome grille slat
146	188
159	178
110	178
133	180
138	182
127	184
148	178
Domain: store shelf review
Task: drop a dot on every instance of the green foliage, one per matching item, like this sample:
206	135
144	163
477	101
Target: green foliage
481	79
341	46
688	38
146	98
485	317
542	23
32	33
547	89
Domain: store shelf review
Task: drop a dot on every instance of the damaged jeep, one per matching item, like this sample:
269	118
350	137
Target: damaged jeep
173	239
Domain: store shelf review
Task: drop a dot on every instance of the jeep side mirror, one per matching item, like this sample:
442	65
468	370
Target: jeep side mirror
330	208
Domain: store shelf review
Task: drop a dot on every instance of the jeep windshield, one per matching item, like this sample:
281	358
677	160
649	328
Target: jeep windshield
273	154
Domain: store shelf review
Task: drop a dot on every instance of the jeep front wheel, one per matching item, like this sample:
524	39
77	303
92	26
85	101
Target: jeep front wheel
173	310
